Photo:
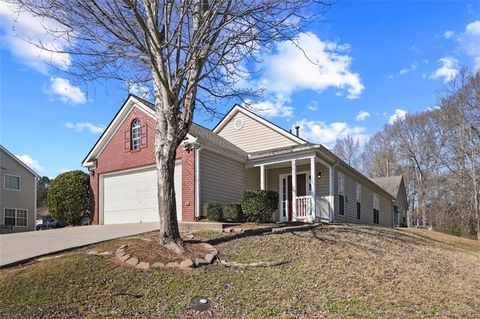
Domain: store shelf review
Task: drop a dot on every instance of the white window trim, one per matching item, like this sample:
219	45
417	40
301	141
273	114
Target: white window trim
341	184
358	192
12	189
376	201
16	211
139	137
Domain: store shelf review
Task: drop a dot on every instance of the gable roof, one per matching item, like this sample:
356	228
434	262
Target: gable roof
31	171
237	108
205	136
391	184
199	133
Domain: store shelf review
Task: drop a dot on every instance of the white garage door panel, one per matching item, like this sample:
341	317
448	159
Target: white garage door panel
132	197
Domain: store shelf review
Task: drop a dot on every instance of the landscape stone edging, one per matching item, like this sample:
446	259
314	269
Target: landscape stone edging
132	261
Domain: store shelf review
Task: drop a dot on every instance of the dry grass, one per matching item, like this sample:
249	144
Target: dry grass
151	252
341	271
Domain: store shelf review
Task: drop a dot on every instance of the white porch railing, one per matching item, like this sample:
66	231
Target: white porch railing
304	207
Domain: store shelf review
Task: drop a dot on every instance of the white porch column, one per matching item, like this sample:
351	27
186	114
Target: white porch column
294	189
313	181
262	177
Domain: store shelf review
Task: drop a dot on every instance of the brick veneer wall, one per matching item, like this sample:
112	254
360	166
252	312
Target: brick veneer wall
114	158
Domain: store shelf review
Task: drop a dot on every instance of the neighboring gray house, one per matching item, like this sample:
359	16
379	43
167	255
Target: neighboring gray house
396	187
18	194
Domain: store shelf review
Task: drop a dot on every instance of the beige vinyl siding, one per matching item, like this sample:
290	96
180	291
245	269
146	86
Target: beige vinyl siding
366	204
253	136
22	199
223	180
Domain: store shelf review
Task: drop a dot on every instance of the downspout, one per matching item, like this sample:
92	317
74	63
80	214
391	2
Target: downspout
197	181
332	191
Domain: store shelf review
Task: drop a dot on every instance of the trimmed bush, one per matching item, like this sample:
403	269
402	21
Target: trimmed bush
69	197
232	212
213	211
259	205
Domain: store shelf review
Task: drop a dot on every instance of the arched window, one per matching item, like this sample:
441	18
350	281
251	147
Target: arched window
135	134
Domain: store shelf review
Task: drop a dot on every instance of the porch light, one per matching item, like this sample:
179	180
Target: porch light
319	174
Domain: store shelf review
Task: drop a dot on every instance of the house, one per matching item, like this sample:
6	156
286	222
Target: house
243	151
18	196
395	185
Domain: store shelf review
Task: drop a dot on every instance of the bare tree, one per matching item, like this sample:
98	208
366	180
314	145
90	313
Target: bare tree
348	149
460	118
190	52
379	158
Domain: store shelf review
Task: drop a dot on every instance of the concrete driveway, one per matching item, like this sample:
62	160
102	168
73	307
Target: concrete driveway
19	247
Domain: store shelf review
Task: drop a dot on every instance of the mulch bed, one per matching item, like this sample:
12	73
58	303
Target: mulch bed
151	251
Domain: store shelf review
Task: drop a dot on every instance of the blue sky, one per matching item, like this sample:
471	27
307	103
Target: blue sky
375	60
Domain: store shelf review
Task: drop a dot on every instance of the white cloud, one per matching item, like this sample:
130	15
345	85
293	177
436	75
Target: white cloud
318	65
66	91
403	71
21	31
448	34
30	162
327	134
471	42
81	126
399	114
362	116
313	106
277	108
447	71
63	170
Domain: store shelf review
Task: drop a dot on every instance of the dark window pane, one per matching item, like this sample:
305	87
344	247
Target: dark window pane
341	205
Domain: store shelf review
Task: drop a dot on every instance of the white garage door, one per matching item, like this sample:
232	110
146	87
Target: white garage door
131	197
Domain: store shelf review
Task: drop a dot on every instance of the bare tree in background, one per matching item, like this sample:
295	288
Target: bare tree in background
460	117
191	52
348	149
379	158
438	152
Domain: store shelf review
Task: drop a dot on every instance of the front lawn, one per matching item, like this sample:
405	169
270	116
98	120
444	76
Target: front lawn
336	271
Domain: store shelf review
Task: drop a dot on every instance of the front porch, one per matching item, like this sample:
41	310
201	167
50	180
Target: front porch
300	199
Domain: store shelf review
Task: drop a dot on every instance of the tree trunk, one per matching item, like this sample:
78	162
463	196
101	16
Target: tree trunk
169	234
165	154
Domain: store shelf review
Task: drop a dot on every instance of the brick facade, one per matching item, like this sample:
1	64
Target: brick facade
114	158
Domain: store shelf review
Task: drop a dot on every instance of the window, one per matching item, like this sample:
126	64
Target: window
10	216
341	204
15	217
358	195
21	217
136	134
376	209
341	194
12	182
341	183
376	216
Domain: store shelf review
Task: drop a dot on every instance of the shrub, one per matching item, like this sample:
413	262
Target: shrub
232	212
259	205
213	211
69	197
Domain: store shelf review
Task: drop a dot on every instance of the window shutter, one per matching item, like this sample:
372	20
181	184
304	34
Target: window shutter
143	136
127	141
